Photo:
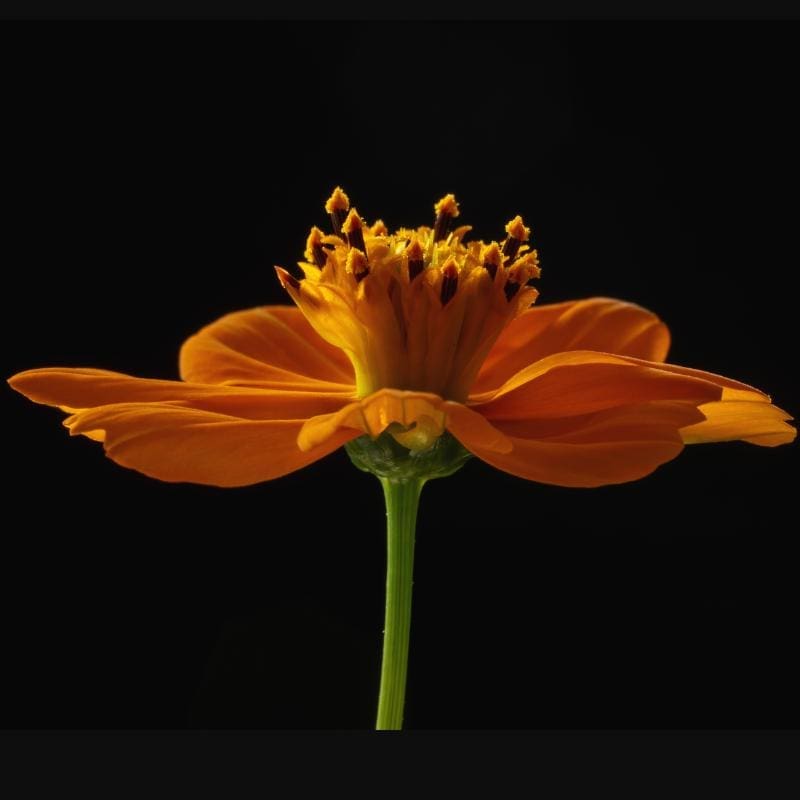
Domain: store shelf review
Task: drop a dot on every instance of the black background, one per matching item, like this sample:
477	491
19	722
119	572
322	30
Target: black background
154	173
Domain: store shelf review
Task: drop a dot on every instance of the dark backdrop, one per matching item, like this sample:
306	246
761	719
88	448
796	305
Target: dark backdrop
154	174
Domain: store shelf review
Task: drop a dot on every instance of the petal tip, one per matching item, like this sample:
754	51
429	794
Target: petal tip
25	382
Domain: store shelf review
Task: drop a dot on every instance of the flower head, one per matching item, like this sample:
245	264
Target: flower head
423	337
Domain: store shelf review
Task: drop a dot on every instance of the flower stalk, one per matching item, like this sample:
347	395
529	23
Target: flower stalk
402	502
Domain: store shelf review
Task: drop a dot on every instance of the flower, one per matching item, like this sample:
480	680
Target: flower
418	335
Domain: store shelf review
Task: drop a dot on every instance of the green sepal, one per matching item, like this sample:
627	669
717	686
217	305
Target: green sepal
386	458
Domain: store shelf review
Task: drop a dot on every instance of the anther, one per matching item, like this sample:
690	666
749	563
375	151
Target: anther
446	211
416	261
379	228
517	234
353	228
449	280
286	278
314	251
492	259
527	266
336	205
357	264
517	276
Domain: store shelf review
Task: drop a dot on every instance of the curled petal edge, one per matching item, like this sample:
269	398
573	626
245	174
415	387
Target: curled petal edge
372	415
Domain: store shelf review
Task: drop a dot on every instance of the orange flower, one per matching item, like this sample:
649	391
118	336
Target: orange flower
413	335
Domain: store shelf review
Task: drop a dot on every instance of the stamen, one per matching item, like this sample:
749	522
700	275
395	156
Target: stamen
518	275
449	280
379	228
314	251
416	261
446	211
527	266
285	277
357	264
517	234
336	205
353	228
492	259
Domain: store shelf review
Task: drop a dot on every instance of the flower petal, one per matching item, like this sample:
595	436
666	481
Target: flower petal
73	389
373	414
575	383
176	444
611	446
597	323
260	346
756	422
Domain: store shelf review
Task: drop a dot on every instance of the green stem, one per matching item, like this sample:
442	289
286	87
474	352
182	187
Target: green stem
402	501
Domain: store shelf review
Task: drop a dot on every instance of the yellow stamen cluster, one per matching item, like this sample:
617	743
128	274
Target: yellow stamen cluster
417	309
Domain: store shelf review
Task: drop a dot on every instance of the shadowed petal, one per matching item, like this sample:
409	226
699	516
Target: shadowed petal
177	444
612	446
73	389
575	383
267	345
597	323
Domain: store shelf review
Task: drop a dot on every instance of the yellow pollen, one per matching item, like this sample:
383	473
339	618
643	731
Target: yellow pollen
338	201
353	229
357	264
315	237
414	250
416	259
352	223
446	211
315	254
518	273
449	280
492	259
447	206
527	265
517	230
450	268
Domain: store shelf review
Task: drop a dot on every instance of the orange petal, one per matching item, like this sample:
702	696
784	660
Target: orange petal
575	383
373	414
174	443
585	426
598	323
751	421
613	446
73	389
267	345
464	423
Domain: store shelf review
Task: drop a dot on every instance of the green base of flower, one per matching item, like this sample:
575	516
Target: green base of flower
389	460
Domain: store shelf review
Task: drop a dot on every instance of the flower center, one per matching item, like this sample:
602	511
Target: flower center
417	309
